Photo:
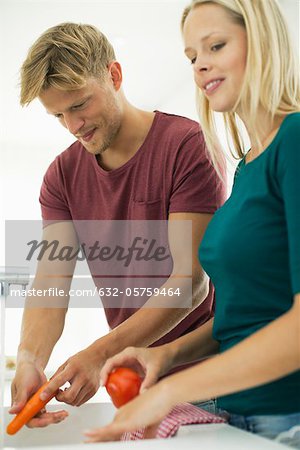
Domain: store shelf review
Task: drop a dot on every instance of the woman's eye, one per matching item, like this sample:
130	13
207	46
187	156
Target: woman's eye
216	47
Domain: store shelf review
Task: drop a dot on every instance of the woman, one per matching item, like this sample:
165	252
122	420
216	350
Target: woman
244	68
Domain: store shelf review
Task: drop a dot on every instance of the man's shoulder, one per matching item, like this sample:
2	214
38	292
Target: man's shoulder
179	134
177	124
69	159
72	152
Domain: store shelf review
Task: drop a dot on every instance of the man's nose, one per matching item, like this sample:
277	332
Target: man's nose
73	123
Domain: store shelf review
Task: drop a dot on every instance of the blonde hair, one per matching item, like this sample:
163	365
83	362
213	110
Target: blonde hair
272	82
63	57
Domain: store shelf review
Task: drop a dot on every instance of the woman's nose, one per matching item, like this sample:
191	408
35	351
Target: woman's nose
201	64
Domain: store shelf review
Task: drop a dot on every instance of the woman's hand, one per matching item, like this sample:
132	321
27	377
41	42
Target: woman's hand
145	410
149	363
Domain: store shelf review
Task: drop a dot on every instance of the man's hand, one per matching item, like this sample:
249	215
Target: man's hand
82	372
27	381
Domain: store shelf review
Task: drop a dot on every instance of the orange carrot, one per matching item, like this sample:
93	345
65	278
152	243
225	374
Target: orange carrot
32	407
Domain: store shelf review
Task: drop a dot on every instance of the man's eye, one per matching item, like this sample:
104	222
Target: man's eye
216	47
58	116
193	60
78	106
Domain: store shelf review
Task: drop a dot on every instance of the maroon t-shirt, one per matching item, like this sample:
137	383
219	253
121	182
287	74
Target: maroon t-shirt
169	173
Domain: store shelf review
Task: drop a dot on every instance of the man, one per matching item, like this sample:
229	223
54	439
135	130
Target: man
126	164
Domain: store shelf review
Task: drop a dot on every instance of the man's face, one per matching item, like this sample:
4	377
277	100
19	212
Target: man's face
92	114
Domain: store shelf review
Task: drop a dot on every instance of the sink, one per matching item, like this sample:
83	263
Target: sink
68	432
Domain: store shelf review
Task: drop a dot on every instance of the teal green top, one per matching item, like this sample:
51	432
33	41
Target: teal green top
251	251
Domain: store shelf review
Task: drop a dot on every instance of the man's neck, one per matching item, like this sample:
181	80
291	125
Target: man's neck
135	126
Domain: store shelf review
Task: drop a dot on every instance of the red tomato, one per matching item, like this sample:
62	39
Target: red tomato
123	384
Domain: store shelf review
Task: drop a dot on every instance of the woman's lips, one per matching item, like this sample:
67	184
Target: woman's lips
213	86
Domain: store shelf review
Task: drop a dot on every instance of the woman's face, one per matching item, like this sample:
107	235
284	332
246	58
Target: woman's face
217	49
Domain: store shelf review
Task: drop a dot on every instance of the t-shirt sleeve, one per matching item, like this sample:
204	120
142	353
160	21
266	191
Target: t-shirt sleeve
289	180
196	184
52	199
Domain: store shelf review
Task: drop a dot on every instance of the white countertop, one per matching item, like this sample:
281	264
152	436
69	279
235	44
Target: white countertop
208	437
68	434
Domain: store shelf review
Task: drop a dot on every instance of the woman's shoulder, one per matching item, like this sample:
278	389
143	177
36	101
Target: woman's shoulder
287	151
287	140
291	124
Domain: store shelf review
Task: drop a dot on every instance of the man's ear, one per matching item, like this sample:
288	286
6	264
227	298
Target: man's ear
115	73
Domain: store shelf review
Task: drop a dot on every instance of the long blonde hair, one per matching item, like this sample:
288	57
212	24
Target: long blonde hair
63	57
272	83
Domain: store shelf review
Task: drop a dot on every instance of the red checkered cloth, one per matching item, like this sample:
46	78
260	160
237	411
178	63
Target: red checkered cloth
180	415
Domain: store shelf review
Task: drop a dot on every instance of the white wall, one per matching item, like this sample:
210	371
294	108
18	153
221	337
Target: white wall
157	76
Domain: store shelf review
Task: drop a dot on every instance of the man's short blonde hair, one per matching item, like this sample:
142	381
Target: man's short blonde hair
63	57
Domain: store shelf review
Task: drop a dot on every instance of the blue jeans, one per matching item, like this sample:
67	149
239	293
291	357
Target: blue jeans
281	428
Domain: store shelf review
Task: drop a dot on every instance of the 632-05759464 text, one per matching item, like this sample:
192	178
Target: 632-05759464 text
102	292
